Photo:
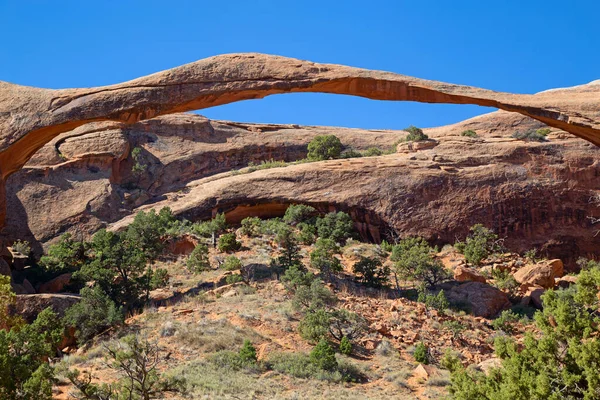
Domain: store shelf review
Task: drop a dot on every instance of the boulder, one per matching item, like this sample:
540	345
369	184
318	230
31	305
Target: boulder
411	147
565	281
484	300
28	286
489	364
29	306
540	274
465	274
55	285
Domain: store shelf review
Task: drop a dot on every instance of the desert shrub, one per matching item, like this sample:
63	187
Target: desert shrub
385	246
414	259
529	136
350	153
323	356
211	229
295	277
136	361
266	164
480	244
335	226
558	363
455	328
532	255
198	260
247	352
308	233
234	278
437	301
450	360
297	213
543	131
421	353
251	226
138	166
314	297
232	263
469	133
94	313
22	246
290	251
504	322
147	229
315	325
415	134
325	147
228	243
272	226
66	255
346	324
323	257
345	346
372	151
371	272
504	280
24	349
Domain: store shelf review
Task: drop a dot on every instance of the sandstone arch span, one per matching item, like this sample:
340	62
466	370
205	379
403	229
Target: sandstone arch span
31	117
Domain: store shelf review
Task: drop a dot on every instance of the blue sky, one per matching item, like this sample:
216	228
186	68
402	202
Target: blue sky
512	45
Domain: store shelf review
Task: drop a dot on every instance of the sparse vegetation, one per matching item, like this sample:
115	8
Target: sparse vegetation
414	260
421	353
530	136
480	244
371	272
198	260
415	134
469	133
324	147
232	263
228	243
22	246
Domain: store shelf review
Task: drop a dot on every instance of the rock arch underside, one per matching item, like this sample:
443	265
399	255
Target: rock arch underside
79	178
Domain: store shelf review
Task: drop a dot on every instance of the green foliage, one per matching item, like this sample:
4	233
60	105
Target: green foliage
198	260
469	133
421	353
228	243
323	356
248	352
345	346
437	301
350	153
371	272
295	277
251	226
211	229
7	300
323	257
479	245
335	226
313	297
387	247
232	263
325	147
264	164
308	233
138	166
300	365
414	259
346	324
504	280
373	151
94	313
559	363
290	254
234	278
315	325
415	134
67	255
147	229
504	322
297	213
24	373
530	136
22	246
450	360
455	328
543	131
136	361
532	255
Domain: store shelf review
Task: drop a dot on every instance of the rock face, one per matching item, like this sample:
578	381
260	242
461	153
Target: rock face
484	300
31	117
29	306
464	274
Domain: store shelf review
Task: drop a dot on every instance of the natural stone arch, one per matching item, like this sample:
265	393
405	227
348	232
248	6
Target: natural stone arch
31	117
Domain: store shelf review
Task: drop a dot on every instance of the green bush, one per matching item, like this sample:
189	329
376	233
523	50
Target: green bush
94	313
504	322
295	277
345	346
198	260
421	353
387	247
148	228
543	131
290	254
479	245
234	278
324	147
308	233
67	255
469	133
323	257
251	226
314	297
211	229
315	325
559	362
323	356
414	259
372	151
371	272
297	213
22	246
248	352
415	134
530	136
266	164
350	153
232	263
228	243
437	301
336	226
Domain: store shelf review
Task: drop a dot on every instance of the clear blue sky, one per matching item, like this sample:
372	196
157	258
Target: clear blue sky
512	45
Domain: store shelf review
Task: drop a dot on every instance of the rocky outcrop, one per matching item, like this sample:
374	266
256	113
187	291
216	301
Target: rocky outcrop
542	274
56	285
483	300
31	117
465	274
29	306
